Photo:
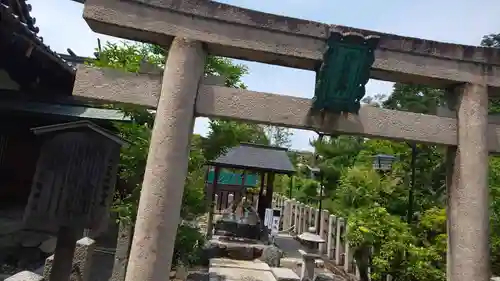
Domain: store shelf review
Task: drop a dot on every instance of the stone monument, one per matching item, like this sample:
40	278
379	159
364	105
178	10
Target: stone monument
73	186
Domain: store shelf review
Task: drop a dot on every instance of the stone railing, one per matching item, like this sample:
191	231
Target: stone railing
297	217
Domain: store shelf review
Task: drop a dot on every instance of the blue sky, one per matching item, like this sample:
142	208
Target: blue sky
456	21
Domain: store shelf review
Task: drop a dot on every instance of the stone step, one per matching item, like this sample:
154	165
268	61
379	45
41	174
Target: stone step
294	262
239	274
25	276
284	274
239	264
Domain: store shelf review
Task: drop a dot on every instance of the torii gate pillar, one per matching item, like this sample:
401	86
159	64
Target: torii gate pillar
166	169
467	189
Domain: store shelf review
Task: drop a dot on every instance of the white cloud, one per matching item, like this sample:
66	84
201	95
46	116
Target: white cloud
457	21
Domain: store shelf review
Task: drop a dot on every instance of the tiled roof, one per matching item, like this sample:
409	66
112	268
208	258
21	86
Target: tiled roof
256	157
16	14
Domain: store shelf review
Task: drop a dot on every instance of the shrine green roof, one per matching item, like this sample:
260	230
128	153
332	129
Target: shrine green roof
228	178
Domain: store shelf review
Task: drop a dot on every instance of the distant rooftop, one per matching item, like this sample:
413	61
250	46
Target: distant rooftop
256	157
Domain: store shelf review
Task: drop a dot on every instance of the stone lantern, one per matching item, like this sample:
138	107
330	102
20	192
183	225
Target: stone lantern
383	162
308	259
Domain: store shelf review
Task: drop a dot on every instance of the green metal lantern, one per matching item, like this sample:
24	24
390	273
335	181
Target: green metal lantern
341	79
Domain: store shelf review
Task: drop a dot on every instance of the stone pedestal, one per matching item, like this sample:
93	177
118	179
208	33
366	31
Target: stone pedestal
308	265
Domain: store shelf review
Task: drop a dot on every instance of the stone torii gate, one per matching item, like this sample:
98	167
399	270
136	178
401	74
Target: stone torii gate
195	28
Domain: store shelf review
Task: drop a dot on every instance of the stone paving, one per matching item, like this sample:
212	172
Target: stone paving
256	270
237	270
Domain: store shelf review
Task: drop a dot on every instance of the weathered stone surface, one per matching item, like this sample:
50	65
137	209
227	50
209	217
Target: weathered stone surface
230	274
272	256
279	110
241	251
125	233
25	276
82	261
164	178
327	276
245	34
239	264
284	274
295	262
49	245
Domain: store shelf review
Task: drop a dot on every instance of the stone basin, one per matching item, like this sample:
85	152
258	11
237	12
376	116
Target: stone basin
238	229
221	247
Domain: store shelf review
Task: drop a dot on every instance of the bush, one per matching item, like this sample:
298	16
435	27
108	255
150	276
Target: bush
188	246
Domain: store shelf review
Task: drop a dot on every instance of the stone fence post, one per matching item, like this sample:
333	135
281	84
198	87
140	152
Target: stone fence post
296	220
331	239
281	202
291	217
339	247
305	218
323	231
332	229
287	213
348	255
302	218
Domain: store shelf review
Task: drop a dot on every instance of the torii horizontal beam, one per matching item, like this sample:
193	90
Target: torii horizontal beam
235	32
108	85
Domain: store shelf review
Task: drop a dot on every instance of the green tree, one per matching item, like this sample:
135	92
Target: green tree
335	155
491	40
414	98
279	136
223	135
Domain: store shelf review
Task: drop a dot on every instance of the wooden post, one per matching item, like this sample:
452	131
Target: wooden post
261	209
213	203
269	190
63	255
